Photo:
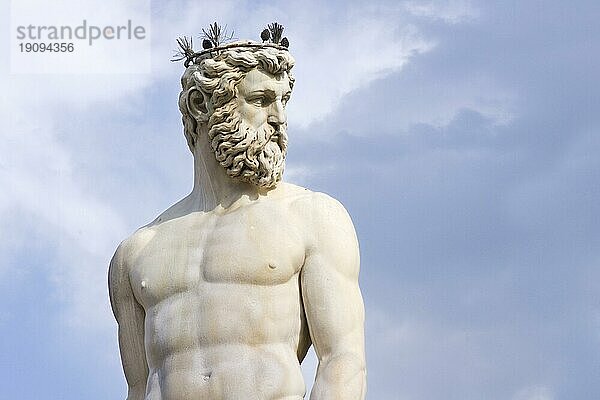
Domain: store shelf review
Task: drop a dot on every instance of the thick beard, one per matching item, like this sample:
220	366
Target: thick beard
256	156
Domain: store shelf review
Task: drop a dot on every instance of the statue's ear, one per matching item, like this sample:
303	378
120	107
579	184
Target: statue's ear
196	104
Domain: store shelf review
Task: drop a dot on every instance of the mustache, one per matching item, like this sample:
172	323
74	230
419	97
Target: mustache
277	132
270	132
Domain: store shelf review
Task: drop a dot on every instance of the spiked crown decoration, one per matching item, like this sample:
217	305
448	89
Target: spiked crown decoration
215	39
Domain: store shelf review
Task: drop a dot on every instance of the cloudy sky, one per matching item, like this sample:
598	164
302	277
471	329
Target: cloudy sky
462	136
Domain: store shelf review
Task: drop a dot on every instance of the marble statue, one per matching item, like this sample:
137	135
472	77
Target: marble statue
221	296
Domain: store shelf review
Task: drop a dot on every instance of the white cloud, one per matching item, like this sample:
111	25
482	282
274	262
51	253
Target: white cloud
449	11
297	174
40	182
333	61
37	180
438	104
534	392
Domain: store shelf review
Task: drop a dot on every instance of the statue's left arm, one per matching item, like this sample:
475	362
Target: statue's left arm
333	302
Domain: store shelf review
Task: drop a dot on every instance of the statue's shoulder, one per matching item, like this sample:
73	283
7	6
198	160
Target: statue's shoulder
130	247
314	203
327	226
297	195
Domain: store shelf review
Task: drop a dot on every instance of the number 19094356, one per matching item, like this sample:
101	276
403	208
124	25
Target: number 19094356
46	47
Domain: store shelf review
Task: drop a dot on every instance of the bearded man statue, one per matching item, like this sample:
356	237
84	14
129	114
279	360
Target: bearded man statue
248	153
222	295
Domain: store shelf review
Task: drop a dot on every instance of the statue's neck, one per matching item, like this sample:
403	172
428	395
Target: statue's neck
213	188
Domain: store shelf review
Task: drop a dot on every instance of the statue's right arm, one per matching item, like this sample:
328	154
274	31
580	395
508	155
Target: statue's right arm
130	318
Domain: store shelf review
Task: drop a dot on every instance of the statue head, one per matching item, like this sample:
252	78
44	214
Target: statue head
236	97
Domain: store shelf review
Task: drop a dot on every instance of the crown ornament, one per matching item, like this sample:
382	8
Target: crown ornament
216	38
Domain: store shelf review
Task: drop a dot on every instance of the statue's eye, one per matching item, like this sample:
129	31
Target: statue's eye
260	101
285	99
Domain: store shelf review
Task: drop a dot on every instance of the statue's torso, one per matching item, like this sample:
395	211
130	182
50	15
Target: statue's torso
224	318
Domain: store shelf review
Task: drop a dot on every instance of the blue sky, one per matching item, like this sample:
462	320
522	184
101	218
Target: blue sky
462	136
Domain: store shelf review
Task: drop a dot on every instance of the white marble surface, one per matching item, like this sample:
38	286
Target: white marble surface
221	296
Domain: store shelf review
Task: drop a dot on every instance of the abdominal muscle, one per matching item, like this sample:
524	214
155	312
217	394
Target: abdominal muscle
195	352
228	372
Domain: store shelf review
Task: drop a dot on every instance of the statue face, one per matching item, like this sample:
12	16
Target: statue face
255	152
262	98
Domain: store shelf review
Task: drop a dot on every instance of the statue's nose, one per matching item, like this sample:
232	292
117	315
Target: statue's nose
277	113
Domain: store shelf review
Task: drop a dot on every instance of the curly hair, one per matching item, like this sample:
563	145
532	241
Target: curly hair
216	78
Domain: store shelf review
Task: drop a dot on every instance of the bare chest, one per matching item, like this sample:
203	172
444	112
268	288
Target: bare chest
255	247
